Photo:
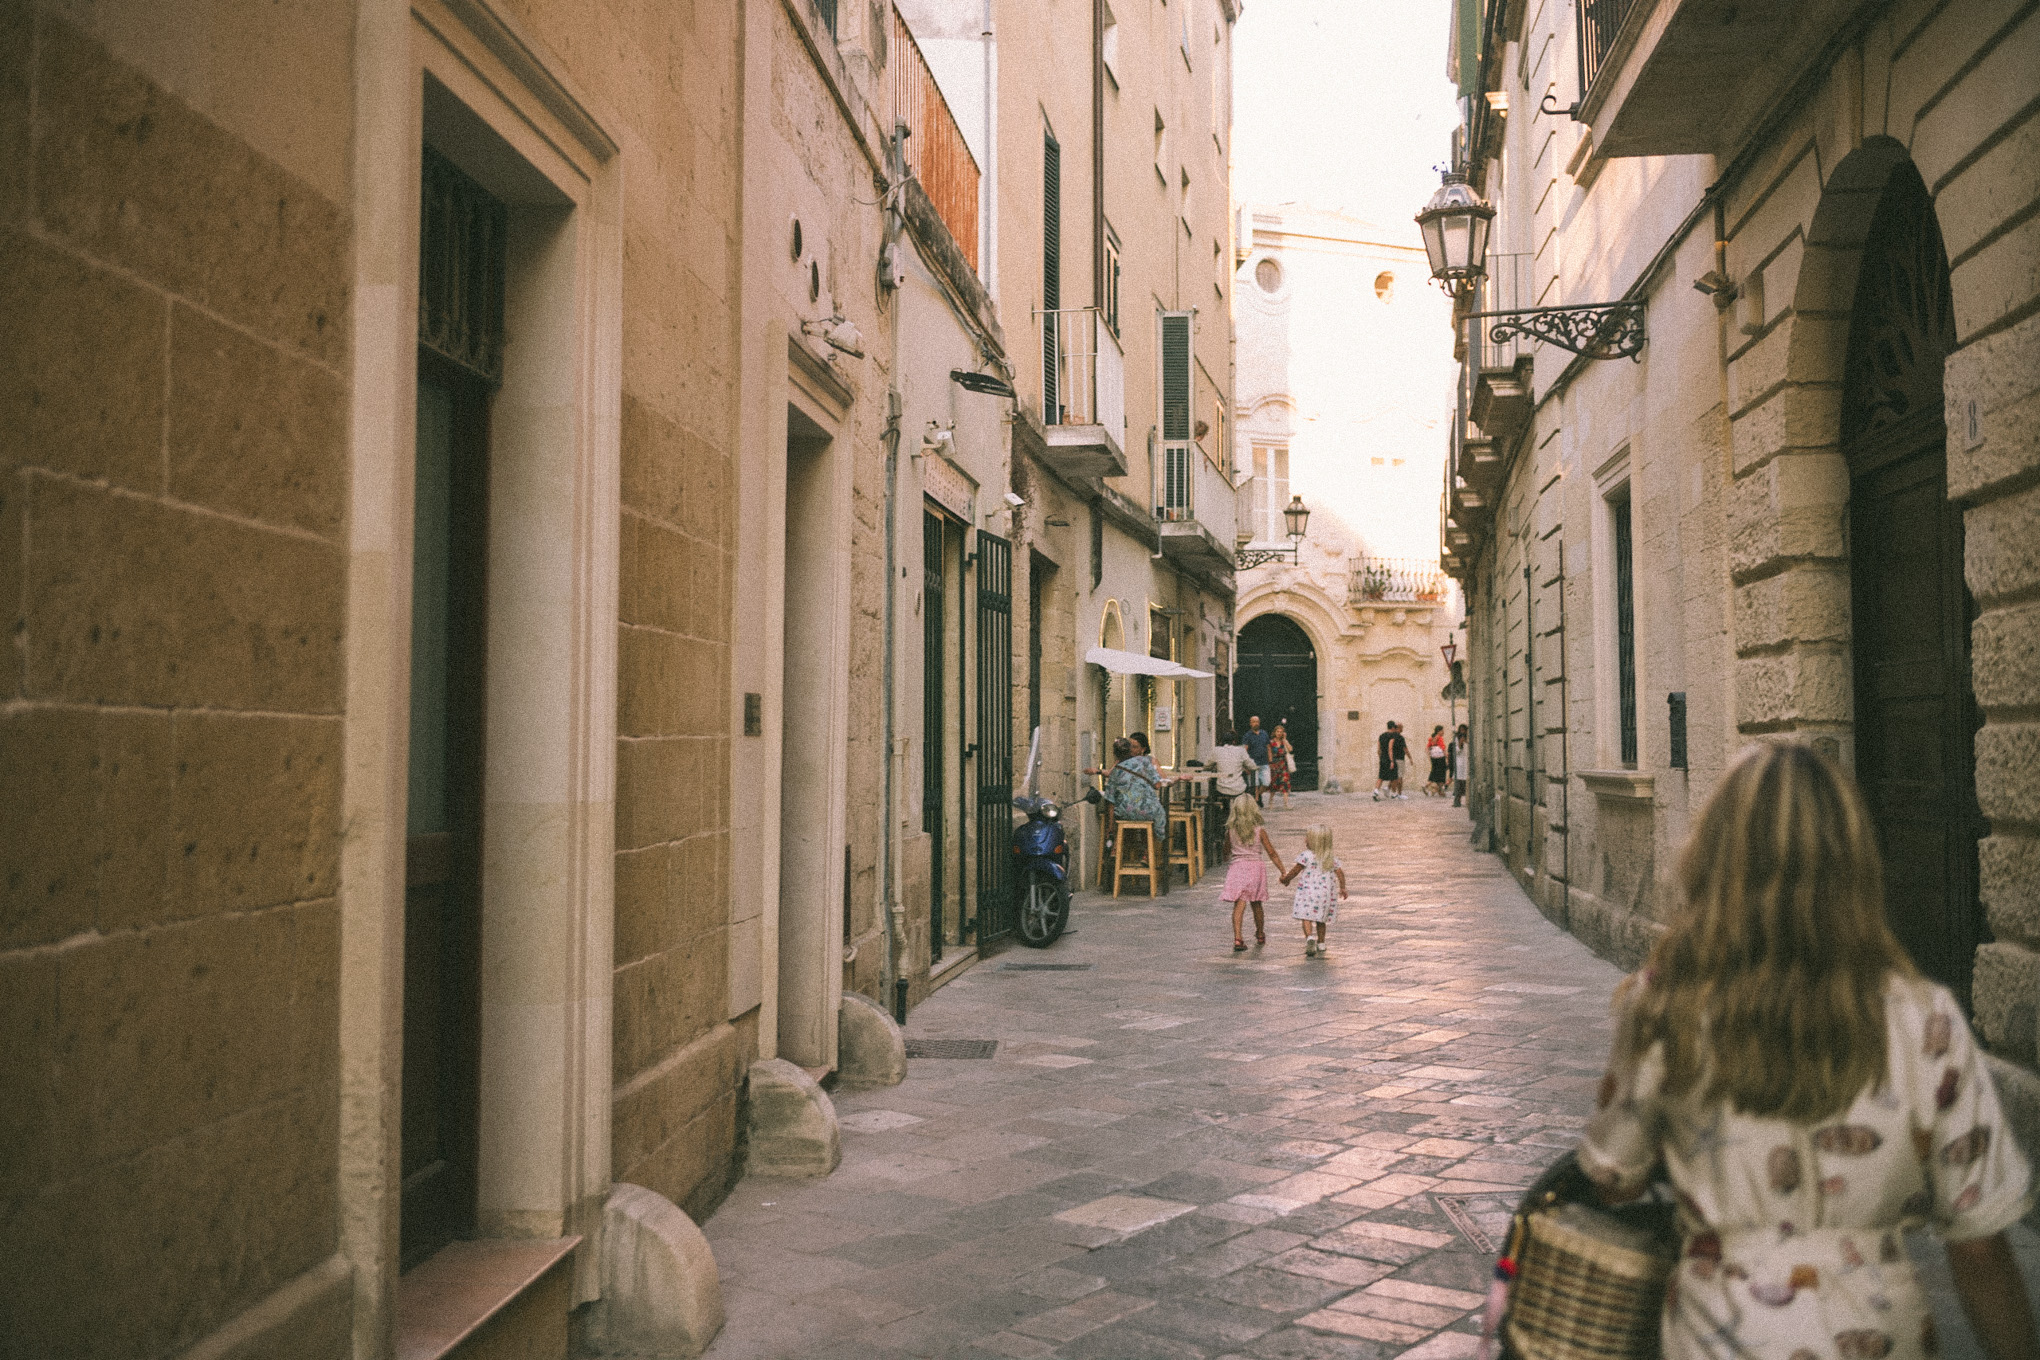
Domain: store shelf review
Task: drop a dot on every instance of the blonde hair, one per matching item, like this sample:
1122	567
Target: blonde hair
1317	838
1769	993
1245	817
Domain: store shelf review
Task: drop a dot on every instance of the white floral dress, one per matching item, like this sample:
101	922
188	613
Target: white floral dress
1317	890
1792	1247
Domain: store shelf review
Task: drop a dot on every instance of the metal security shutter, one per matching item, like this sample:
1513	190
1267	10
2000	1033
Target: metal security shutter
1051	274
994	735
1175	375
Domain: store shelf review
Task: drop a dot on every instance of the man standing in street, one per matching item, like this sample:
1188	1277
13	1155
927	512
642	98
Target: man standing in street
1256	742
1384	771
1400	756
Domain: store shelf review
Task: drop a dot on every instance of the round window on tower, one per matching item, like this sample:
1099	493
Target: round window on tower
1384	286
1268	274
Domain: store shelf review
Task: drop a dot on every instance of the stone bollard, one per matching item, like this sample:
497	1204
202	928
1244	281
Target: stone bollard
870	1050
793	1128
661	1292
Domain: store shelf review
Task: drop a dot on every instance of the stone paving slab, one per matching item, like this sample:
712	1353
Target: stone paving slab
1186	1153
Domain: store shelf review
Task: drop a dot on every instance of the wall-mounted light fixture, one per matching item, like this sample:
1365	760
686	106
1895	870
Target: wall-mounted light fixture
1296	518
1455	227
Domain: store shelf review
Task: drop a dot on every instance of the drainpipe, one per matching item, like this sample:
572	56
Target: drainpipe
988	215
894	912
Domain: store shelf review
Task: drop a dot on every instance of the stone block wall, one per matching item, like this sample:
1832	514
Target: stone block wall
671	75
174	337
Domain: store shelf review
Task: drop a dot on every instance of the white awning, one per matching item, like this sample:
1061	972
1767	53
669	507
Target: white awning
1133	663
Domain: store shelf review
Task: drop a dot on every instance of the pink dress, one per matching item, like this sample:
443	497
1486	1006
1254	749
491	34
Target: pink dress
1246	875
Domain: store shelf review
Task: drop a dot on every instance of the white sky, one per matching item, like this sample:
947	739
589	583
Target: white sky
1342	104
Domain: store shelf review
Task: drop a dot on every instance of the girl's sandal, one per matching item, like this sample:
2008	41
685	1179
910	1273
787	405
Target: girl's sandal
1260	937
1239	946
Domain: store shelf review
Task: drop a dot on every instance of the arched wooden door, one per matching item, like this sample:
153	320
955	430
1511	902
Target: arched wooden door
1277	678
1916	718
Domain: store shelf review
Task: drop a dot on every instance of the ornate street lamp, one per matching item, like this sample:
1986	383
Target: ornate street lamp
1455	227
1296	518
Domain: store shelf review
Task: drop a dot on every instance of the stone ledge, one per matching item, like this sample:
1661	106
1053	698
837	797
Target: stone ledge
1627	785
445	1300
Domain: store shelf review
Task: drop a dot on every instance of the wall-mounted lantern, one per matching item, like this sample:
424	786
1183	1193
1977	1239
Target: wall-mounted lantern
1296	518
1455	228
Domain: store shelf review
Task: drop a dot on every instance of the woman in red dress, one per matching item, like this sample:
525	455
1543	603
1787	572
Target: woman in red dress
1280	753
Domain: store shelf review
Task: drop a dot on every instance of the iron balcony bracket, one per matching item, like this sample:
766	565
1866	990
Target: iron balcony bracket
1605	330
1246	558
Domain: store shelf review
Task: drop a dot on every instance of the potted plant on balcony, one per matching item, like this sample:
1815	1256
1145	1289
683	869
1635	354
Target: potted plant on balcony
1374	583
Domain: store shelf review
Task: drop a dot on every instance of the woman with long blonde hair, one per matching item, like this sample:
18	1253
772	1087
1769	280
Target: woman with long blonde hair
1807	1092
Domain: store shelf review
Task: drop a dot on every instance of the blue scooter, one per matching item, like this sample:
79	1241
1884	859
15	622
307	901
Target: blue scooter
1042	849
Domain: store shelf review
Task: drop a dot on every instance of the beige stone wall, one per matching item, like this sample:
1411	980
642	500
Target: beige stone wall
1740	490
173	409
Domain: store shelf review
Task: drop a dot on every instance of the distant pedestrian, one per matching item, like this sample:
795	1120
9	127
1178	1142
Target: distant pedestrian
1256	741
1434	787
1384	765
1320	887
1399	758
1460	762
1281	763
1246	875
1807	1092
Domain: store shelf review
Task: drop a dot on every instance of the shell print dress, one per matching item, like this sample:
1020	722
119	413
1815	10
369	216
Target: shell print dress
1791	1232
1317	889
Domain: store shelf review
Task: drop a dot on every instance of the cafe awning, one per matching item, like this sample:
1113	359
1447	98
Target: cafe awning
1133	663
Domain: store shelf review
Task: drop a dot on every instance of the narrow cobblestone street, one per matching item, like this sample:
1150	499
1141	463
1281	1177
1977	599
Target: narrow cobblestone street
1181	1152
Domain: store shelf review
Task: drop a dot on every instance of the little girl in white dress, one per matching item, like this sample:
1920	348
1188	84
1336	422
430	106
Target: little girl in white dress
1321	886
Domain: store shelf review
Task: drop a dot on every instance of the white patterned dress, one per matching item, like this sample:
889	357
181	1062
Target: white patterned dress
1792	1247
1317	889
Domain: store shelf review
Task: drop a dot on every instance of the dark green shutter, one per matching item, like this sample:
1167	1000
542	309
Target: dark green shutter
1175	375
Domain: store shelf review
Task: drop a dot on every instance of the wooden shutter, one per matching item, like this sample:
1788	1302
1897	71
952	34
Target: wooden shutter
1051	277
1175	375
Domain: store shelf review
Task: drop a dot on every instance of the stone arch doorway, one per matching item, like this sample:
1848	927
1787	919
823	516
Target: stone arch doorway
1277	677
1916	717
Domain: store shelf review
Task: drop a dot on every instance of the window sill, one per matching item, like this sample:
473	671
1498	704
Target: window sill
446	1299
1626	785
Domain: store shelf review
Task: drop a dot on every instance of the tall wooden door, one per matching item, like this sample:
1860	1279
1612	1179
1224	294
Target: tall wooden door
1277	678
460	348
934	735
1916	717
994	745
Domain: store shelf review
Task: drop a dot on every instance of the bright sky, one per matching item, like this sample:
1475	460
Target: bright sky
1342	104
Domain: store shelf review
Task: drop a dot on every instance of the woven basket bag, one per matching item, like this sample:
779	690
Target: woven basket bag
1589	1280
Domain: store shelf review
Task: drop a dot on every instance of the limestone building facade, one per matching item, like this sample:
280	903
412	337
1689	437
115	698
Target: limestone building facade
1808	506
1345	386
516	623
1108	245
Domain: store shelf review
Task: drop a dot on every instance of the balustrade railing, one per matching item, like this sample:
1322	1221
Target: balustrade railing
936	153
1396	580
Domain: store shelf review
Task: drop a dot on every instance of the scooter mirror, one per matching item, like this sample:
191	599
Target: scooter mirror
1093	796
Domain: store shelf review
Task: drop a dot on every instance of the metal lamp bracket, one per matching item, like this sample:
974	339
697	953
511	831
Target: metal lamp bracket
1603	330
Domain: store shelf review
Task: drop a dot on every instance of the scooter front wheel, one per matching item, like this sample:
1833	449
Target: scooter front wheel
1044	908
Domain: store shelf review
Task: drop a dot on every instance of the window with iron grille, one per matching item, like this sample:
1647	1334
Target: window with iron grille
1625	626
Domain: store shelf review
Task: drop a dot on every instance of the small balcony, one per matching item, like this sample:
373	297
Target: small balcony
935	151
1687	77
1501	397
1083	394
1389	581
1197	511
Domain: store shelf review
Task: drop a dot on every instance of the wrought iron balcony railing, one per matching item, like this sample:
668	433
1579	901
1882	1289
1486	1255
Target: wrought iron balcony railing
1599	23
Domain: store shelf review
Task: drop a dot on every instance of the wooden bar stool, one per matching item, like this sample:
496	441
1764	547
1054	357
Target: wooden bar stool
1107	825
1191	856
1121	869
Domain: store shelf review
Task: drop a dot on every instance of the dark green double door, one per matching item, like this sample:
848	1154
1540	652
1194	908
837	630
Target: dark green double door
1277	680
